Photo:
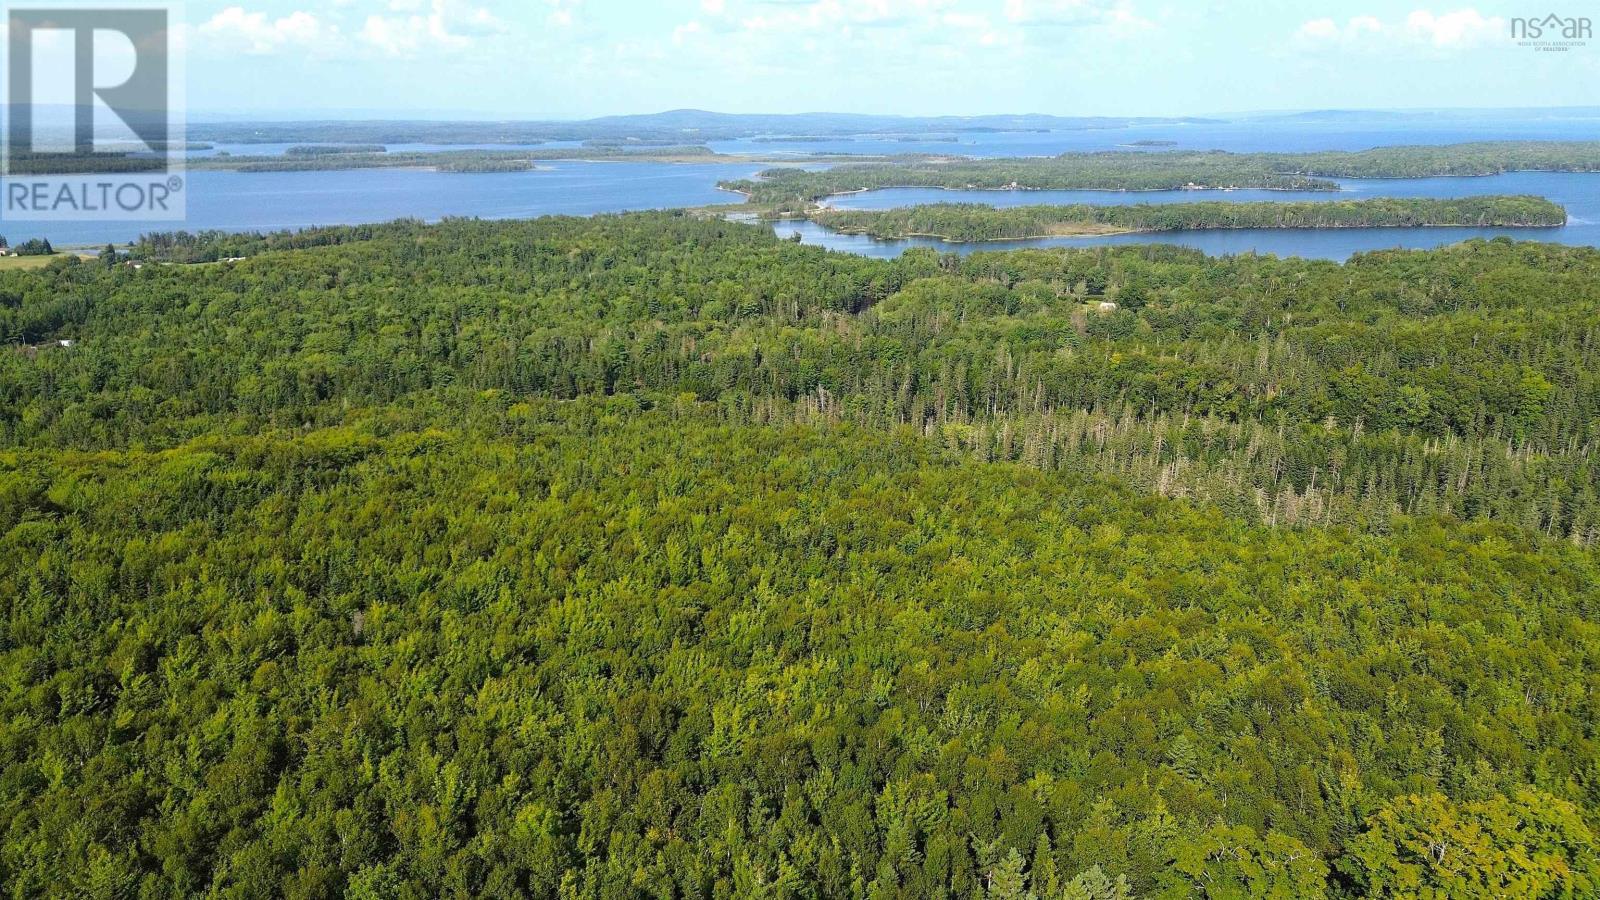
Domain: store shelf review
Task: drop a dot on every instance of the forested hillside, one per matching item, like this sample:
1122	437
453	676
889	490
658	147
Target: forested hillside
1170	170
646	556
1463	380
1124	170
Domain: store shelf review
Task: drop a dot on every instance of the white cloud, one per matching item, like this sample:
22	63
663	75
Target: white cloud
924	23
904	37
685	32
1117	14
975	25
1329	30
834	15
1319	30
252	32
442	25
562	14
1460	29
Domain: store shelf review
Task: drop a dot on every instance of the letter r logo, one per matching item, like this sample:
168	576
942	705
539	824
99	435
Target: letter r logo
139	98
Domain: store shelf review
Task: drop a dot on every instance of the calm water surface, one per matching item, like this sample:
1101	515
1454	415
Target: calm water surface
276	200
250	201
1284	136
1579	193
281	149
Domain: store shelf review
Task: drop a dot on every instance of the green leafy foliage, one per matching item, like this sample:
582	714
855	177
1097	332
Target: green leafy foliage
1170	170
592	645
1461	381
975	222
646	556
1529	845
34	247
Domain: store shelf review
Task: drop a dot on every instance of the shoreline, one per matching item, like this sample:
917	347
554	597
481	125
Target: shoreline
273	164
1339	188
1122	231
1019	189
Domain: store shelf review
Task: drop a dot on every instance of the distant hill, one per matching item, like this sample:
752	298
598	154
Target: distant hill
679	126
673	125
1344	115
1431	115
855	123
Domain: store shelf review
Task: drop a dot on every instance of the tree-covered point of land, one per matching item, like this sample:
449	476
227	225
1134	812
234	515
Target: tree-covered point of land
1133	170
651	556
1469	159
1123	170
977	222
28	163
333	149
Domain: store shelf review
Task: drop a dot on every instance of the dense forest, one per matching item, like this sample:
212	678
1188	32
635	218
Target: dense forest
333	149
1119	170
1169	170
654	556
976	222
99	162
1471	159
1461	381
24	163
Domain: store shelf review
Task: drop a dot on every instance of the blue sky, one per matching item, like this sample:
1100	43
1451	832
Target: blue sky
580	58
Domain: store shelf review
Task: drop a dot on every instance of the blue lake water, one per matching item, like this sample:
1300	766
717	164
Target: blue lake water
1579	193
1569	189
1260	134
1264	135
279	149
268	201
